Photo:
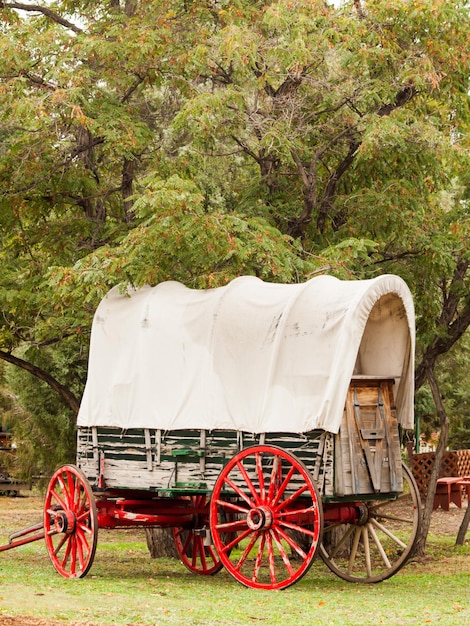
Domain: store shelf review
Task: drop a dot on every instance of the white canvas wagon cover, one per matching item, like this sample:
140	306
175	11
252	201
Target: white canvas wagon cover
251	356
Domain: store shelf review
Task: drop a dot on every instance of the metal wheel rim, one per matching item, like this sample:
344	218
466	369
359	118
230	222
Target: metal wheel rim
375	555
273	512
70	522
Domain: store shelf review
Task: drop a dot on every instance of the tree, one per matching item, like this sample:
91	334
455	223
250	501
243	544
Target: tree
197	140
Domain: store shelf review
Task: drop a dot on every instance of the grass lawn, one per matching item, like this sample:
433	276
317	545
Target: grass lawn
125	586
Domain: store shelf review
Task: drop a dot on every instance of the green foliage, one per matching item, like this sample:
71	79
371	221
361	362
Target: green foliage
43	428
198	141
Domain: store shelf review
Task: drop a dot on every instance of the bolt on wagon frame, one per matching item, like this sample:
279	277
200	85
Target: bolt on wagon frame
259	422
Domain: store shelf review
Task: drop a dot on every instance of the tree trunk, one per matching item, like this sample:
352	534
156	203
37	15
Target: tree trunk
420	544
160	543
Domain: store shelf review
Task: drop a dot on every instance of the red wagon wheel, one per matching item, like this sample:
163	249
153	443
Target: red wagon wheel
266	517
379	544
70	522
190	542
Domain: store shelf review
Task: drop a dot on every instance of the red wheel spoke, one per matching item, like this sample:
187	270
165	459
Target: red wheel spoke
82	539
240	492
298	528
283	487
61	542
70	522
231	526
310	510
282	552
232	506
272	566
68	550
276	476
229	547
246	552
249	484
71	491
259	558
60	500
79	551
262	489
254	546
288	501
295	546
189	542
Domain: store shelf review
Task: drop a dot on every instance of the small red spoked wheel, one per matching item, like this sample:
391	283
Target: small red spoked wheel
266	517
70	522
190	542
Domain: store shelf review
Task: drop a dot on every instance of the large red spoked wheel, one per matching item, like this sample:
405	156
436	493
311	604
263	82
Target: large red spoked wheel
380	542
266	517
190	542
70	522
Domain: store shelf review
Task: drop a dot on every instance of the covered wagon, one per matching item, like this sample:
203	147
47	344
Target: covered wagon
259	421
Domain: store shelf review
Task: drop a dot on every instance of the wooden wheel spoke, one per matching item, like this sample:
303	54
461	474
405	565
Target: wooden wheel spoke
388	532
386	537
352	558
393	518
377	542
342	541
365	542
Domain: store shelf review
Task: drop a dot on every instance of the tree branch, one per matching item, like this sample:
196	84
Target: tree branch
65	393
36	8
453	324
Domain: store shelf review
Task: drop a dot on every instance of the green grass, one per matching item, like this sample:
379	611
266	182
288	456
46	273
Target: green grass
125	587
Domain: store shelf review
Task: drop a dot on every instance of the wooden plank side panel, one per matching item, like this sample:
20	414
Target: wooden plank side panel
189	459
368	456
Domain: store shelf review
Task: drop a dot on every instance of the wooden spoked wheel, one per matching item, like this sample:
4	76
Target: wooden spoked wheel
380	543
190	542
70	522
266	517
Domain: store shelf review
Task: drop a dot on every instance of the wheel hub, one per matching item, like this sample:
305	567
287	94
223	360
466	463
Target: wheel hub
259	517
363	514
65	522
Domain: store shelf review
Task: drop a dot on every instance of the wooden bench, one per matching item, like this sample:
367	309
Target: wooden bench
448	489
